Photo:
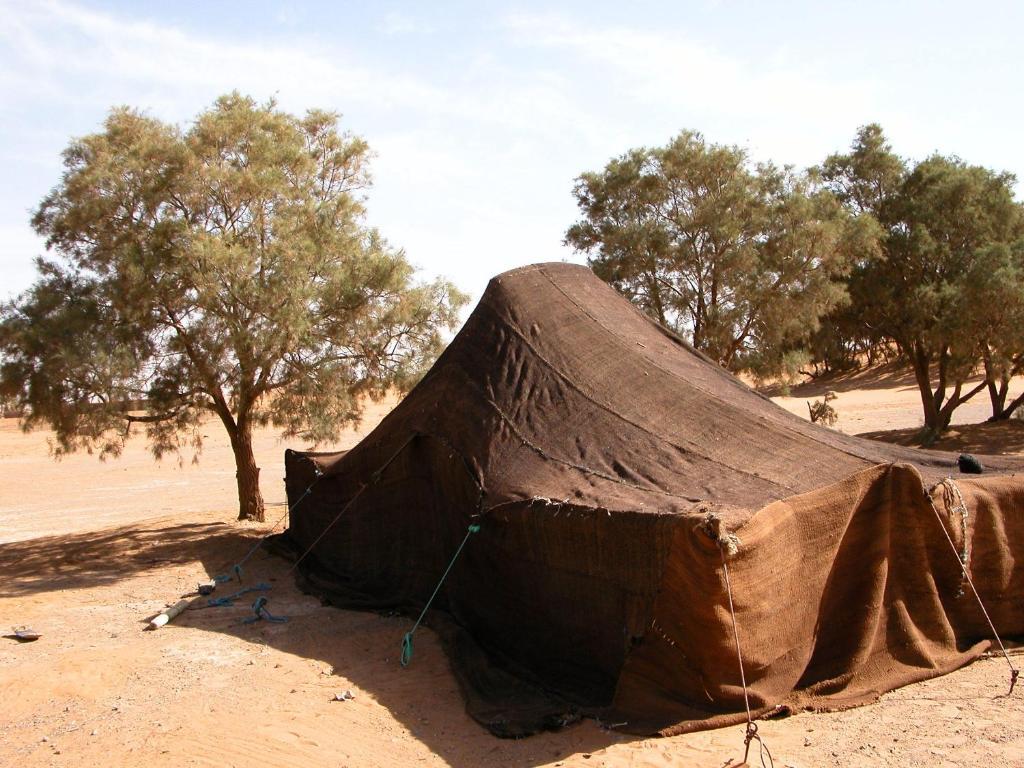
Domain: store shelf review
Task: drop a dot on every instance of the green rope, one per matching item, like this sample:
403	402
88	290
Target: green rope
260	612
217	602
406	656
288	509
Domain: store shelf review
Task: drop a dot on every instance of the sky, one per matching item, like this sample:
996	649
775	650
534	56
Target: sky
482	114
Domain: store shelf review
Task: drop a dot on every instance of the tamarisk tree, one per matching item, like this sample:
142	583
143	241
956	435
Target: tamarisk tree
742	258
946	287
221	269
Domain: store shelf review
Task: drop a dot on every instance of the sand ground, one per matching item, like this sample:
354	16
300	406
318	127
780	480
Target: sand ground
90	550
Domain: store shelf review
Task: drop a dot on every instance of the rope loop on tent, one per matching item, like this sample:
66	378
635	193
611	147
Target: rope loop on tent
723	545
407	648
957	506
713	527
962	558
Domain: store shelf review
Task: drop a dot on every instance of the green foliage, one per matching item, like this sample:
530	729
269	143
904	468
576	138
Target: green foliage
745	259
225	268
868	176
997	295
947	286
865	180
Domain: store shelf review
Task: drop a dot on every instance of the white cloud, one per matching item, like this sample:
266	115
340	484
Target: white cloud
397	24
774	104
458	164
476	155
58	42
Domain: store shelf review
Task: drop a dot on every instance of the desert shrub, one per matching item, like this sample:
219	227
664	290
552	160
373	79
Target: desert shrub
822	412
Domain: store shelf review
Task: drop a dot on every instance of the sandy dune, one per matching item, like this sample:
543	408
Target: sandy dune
89	550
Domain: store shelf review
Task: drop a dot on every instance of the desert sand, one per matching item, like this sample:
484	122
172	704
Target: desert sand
90	550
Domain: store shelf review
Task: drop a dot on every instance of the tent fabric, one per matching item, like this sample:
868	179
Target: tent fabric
593	447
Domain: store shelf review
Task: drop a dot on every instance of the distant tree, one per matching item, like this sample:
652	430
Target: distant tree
995	292
951	231
947	285
868	177
822	411
744	259
225	269
865	180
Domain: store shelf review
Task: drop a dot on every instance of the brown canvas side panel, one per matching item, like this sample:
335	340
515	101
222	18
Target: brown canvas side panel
841	594
388	547
538	611
995	525
562	591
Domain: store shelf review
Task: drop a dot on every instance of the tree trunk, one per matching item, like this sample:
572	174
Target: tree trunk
922	374
997	390
946	413
250	500
997	396
1007	411
655	294
938	408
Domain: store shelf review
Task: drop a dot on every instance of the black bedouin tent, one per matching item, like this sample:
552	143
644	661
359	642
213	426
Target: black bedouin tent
625	489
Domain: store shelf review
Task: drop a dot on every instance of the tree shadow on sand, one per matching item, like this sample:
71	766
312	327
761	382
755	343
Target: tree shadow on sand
990	438
887	376
98	558
361	647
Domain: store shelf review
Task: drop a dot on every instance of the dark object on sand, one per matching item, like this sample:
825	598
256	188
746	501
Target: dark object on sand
969	464
206	587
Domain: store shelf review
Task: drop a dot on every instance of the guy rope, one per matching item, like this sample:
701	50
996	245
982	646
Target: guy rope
751	733
728	545
406	656
960	508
